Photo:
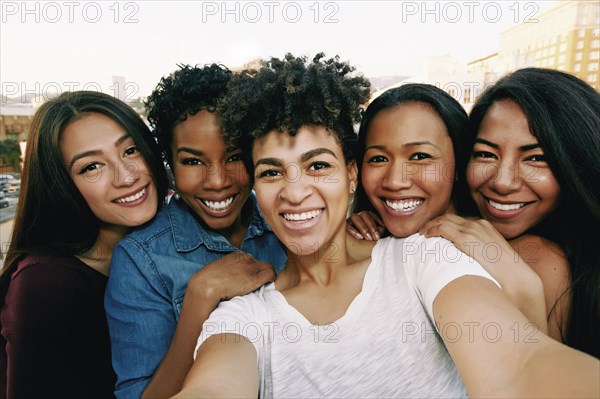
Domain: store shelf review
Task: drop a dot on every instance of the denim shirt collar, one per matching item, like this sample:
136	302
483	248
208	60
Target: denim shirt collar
189	234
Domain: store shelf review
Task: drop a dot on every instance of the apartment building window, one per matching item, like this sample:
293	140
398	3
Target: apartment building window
561	59
596	43
561	67
581	33
580	45
563	47
578	56
596	32
577	67
594	55
592	78
552	50
592	66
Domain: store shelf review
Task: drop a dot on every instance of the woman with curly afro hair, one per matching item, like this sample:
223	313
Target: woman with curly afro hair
211	234
332	325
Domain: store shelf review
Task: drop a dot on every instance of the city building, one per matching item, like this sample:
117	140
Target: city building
565	37
15	119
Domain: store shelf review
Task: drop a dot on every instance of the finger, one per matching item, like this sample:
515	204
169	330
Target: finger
350	229
359	224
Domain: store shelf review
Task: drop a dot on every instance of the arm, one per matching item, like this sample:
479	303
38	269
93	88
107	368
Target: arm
234	274
496	362
479	240
225	367
141	318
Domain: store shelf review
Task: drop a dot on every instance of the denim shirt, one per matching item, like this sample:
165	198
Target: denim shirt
149	272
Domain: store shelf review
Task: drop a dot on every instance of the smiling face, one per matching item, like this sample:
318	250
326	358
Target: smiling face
210	178
408	167
303	186
109	171
509	179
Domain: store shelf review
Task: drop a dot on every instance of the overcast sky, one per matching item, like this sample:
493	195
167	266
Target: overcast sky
73	44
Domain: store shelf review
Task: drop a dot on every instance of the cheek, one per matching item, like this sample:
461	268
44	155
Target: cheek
547	188
369	180
240	175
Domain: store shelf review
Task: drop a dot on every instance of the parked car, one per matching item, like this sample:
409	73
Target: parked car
4	203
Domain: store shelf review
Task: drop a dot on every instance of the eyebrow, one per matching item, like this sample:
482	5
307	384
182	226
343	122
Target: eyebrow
77	157
406	145
523	148
191	151
303	158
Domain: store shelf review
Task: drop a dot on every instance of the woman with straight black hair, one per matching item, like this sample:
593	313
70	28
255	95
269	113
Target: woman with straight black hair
533	174
92	171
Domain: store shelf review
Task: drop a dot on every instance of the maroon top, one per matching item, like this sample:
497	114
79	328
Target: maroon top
54	337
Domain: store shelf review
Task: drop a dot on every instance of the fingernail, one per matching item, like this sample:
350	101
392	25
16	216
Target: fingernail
376	235
359	236
369	236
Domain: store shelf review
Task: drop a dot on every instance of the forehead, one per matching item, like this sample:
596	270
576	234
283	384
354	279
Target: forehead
506	122
90	131
199	130
281	145
408	122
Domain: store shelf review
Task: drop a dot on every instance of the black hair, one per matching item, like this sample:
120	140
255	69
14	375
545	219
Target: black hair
181	94
450	111
286	94
563	113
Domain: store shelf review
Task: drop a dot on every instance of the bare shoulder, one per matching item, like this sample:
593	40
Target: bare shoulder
550	263
541	254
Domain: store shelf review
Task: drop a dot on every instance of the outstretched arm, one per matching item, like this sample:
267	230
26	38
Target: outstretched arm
497	356
225	367
234	274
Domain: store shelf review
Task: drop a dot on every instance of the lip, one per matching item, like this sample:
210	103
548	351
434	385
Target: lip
137	201
301	224
503	214
400	212
218	213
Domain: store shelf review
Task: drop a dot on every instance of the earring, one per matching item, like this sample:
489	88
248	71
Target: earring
352	188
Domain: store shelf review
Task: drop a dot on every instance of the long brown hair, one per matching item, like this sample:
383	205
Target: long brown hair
52	215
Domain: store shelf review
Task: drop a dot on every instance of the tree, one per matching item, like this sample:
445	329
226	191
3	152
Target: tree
10	154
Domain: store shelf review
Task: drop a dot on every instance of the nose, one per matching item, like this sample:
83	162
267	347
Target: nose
216	178
295	191
125	173
505	177
399	175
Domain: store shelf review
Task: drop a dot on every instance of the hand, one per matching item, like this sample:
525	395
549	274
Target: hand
481	241
234	274
365	225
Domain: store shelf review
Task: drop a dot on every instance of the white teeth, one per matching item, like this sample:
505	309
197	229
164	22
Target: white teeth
506	207
404	205
302	216
131	198
218	206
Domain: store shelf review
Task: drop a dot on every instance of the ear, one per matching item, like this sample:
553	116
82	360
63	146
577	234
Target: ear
352	176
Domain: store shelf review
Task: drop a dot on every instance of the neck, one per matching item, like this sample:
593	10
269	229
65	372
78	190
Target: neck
321	267
98	257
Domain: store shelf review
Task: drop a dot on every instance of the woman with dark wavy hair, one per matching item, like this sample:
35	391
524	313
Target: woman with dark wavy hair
533	176
92	171
208	244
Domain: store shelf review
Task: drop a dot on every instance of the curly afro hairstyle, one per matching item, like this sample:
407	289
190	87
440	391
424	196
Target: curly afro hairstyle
183	93
284	95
